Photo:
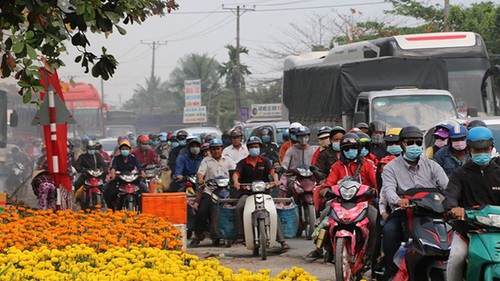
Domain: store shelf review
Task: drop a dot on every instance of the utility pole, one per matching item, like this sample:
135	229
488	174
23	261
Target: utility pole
446	14
153	45
239	11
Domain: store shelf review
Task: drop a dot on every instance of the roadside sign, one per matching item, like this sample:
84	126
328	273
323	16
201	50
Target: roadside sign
192	93
244	113
265	110
196	114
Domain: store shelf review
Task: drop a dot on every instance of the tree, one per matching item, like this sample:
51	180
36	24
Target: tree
232	74
265	93
149	98
37	31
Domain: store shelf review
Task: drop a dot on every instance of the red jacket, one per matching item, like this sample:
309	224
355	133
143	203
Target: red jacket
340	170
315	156
150	157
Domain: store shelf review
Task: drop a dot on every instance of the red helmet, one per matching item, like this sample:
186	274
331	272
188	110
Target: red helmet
143	139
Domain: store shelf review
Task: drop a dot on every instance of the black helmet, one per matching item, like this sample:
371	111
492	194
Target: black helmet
235	133
410	132
363	138
253	140
476	123
377	126
182	134
350	139
337	129
324	132
362	125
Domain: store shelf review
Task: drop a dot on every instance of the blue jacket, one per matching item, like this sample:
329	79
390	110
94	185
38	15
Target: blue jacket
187	165
445	158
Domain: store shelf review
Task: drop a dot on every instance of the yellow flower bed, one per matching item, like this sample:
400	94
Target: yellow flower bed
30	229
79	262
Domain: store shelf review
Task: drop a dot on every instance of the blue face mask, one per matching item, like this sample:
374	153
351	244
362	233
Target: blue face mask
175	144
394	149
91	151
125	153
351	154
336	146
293	137
266	138
155	142
413	152
182	142
254	152
481	158
364	152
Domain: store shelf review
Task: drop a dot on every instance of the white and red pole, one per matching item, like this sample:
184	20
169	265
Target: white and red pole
53	143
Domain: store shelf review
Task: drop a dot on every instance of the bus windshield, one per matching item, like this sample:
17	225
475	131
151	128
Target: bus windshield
421	111
88	122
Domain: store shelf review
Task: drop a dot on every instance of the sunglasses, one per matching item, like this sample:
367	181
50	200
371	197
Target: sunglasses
347	148
412	142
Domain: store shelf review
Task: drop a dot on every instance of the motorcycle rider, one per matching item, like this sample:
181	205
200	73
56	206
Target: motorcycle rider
105	156
301	153
163	146
210	167
377	133
205	149
327	157
391	140
455	154
473	184
253	168
365	141
174	153
269	149
363	127
125	162
44	188
409	170
324	142
91	160
293	139
441	134
236	151
144	153
188	164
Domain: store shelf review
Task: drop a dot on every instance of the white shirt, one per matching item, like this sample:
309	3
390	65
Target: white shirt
235	154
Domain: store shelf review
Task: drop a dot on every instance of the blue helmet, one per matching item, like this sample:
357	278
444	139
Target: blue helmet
285	132
216	142
458	132
302	131
480	137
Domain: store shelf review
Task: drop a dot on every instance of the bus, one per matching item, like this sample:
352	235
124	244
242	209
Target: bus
465	55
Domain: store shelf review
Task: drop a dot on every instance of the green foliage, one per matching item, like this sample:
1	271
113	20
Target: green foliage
266	93
37	31
433	15
228	69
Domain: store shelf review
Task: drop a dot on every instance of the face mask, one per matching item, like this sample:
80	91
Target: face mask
195	150
144	146
293	137
394	149
440	143
304	140
336	146
481	158
413	152
351	154
125	153
91	151
364	152
254	152
175	144
169	143
182	142
155	142
377	138
266	138
458	145
324	142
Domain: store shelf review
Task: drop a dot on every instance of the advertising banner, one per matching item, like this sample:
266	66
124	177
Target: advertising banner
192	93
196	114
265	111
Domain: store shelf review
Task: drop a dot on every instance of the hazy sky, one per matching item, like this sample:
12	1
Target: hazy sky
202	26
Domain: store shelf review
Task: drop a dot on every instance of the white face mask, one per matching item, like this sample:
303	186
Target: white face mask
324	142
440	143
303	140
458	145
377	138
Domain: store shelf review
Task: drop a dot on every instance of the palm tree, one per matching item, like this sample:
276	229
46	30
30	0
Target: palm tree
146	99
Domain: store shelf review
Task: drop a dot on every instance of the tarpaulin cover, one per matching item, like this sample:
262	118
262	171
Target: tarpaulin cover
325	91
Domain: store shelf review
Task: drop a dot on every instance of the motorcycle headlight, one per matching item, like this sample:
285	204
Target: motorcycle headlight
304	172
222	182
129	178
258	186
490	220
347	192
95	173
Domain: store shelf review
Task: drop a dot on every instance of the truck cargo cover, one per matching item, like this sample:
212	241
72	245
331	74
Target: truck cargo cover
326	91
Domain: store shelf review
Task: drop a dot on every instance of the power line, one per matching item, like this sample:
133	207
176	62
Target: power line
205	31
153	46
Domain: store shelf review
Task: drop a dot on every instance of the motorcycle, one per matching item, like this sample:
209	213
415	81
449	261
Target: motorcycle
129	193
15	178
483	259
187	184
303	187
348	227
428	236
93	189
260	219
153	173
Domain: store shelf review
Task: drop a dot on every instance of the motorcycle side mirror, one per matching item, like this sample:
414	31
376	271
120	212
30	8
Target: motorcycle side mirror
163	157
279	170
144	165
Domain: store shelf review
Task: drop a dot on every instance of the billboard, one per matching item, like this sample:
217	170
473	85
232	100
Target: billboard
197	114
192	93
265	111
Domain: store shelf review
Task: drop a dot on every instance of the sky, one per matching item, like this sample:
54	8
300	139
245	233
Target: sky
205	27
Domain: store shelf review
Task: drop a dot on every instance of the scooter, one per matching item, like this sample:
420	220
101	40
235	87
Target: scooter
93	189
483	259
348	227
428	237
260	219
129	193
303	188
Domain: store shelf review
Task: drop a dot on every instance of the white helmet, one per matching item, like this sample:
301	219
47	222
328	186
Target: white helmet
293	127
